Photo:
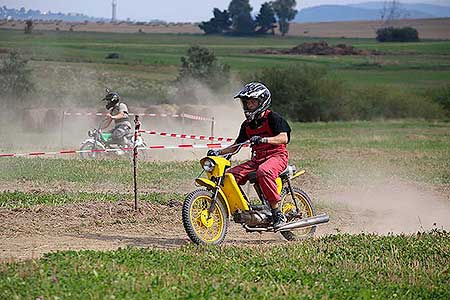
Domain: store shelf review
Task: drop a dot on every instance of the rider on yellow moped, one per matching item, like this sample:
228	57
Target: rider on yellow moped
283	207
268	133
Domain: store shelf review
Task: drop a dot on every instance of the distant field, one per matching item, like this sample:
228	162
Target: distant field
149	60
428	28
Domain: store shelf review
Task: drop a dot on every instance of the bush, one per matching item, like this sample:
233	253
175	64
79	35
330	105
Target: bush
392	34
28	27
201	67
304	93
201	64
375	102
441	96
113	56
15	83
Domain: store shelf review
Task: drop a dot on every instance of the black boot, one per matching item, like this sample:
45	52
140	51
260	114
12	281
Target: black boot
279	219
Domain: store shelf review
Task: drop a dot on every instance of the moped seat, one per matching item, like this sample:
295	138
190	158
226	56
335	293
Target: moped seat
290	169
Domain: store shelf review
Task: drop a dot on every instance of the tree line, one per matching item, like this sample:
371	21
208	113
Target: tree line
238	19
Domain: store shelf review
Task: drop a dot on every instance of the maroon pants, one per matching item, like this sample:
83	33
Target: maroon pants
267	170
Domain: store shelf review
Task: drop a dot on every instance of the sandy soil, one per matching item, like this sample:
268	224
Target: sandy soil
428	28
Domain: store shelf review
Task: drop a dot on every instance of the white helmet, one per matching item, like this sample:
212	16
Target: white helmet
254	90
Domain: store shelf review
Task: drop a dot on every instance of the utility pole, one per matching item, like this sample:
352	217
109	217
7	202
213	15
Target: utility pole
114	7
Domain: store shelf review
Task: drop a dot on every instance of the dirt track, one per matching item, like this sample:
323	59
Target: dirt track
31	232
28	233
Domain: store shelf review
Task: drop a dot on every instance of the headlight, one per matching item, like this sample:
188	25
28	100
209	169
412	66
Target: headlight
208	165
91	133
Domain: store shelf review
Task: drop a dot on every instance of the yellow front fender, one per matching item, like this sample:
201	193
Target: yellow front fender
301	172
211	186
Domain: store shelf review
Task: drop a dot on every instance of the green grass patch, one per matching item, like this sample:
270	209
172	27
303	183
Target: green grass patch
18	199
337	267
163	176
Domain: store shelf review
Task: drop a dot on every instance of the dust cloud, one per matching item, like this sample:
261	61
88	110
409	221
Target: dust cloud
42	127
394	206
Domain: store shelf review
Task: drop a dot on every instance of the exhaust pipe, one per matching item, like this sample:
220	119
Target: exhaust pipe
307	222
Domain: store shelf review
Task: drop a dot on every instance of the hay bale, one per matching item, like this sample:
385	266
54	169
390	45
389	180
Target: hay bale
191	109
154	109
170	109
52	119
32	119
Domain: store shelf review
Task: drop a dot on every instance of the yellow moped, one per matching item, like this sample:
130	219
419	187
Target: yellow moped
207	211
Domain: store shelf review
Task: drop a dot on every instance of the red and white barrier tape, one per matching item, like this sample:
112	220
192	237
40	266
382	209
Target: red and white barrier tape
189	136
187	116
84	114
131	114
181	146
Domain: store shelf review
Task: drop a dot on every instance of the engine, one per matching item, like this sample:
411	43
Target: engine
257	217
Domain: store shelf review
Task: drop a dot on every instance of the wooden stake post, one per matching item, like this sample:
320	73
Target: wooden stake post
137	127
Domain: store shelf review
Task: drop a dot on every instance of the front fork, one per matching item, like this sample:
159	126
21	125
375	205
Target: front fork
215	194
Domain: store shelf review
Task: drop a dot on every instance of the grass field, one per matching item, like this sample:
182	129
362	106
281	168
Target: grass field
337	267
154	58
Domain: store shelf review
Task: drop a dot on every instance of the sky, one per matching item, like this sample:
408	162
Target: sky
167	10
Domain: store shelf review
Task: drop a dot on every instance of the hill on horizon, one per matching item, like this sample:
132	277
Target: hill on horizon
369	11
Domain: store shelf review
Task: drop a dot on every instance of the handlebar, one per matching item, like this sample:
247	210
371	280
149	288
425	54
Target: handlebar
239	146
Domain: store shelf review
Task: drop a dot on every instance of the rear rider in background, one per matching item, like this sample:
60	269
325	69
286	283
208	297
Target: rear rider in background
118	111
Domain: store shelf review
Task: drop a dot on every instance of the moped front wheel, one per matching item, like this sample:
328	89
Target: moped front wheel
289	209
200	226
90	150
143	154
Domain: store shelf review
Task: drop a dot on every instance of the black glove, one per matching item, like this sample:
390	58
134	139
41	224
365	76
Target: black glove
213	152
255	140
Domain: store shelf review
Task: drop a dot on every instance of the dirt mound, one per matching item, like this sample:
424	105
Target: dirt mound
318	48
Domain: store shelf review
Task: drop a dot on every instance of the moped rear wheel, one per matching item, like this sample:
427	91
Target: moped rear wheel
201	227
288	208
